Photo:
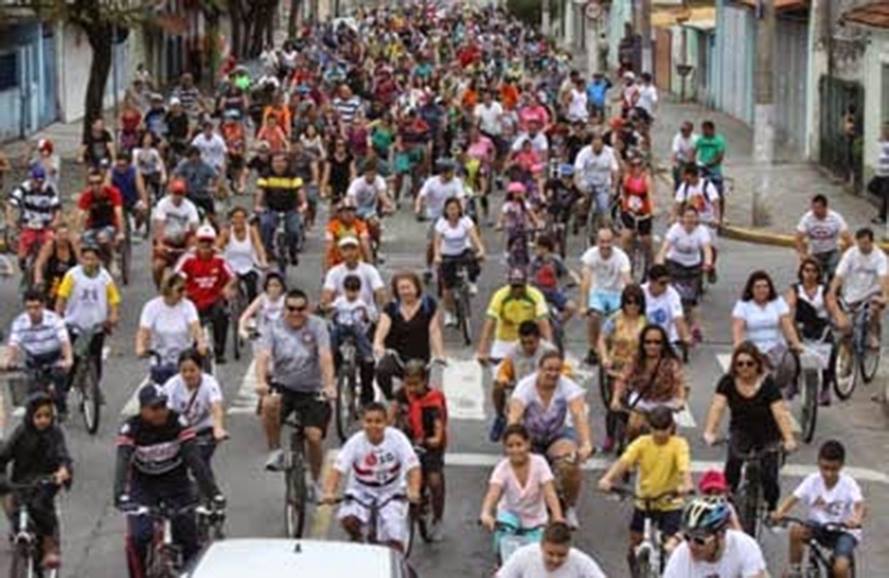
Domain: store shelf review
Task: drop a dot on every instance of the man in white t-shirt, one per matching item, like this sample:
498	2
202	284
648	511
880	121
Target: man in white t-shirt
378	463
174	222
605	273
682	151
431	201
861	276
822	234
648	98
488	113
373	290
701	194
832	498
553	557
212	147
663	305
710	549
595	173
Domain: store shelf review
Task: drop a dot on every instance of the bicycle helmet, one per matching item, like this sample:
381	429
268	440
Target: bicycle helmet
706	516
37	173
566	170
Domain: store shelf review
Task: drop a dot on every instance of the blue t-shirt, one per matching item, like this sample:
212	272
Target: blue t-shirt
596	91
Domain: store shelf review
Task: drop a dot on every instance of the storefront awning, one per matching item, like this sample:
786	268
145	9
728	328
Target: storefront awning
875	14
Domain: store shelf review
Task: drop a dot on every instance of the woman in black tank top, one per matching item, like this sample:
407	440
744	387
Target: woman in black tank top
53	261
339	171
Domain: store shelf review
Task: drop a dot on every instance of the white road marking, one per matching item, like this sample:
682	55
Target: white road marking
246	399
725	361
323	514
476	460
462	382
685	419
131	408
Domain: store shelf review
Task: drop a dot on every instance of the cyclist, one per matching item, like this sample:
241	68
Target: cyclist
345	224
294	373
100	214
546	269
40	335
554	557
687	251
201	181
97	147
169	325
338	172
126	178
369	193
832	497
266	308
196	397
861	278
456	244
663	464
209	281
89	299
242	247
521	486
37	449
637	207
280	192
682	152
432	196
605	274
423	413
509	307
822	233
543	402
150	165
596	171
156	458
560	196
174	222
653	379
212	147
663	306
711	548
55	258
376	462
350	315
759	418
710	154
39	208
693	191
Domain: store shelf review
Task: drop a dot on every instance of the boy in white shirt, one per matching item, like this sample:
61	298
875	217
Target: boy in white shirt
351	318
833	498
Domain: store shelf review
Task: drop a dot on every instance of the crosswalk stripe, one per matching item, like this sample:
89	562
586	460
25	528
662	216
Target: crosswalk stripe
725	362
131	407
463	389
246	399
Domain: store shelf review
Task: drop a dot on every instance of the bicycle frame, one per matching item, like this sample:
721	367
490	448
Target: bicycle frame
819	559
374	507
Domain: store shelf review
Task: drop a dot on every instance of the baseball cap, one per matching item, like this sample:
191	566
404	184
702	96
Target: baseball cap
174	101
713	481
206	232
347	241
178	186
152	396
517	276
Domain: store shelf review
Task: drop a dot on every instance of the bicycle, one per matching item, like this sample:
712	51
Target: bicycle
124	250
858	355
236	307
281	249
348	390
813	363
509	536
752	509
26	546
85	378
463	302
296	492
32	376
640	259
211	524
820	559
421	514
164	558
374	506
650	555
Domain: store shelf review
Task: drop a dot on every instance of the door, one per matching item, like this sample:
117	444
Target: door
48	109
29	89
792	52
839	153
663	69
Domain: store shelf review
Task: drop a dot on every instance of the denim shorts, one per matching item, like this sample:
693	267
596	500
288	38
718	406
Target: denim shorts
842	543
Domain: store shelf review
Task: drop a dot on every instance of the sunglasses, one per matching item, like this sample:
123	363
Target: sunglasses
296	308
700	540
745	363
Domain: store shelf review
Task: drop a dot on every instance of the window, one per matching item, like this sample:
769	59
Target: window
9	73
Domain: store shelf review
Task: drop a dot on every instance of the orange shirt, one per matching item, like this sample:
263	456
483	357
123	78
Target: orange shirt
336	230
509	96
282	113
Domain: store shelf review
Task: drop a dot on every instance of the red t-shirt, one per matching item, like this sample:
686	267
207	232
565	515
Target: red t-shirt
205	278
101	210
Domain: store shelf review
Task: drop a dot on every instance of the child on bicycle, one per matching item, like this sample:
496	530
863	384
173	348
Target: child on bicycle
422	413
351	318
832	498
37	449
714	485
662	460
546	269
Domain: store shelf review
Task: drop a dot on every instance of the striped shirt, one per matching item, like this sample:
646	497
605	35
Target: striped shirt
346	109
39	339
37	207
882	168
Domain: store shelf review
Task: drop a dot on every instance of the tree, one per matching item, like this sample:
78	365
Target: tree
253	23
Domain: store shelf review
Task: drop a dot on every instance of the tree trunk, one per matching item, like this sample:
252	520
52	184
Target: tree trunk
100	40
234	10
291	18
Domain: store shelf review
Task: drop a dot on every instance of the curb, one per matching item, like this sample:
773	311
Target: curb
757	237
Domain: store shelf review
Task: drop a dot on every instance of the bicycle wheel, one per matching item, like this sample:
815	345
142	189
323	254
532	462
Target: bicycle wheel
870	357
295	498
604	387
643	568
411	533
21	565
747	500
464	312
422	515
125	254
90	398
281	252
845	372
345	404
620	433
238	306
808	403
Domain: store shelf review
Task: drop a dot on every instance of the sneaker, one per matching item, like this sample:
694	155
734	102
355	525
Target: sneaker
592	358
449	319
712	277
436	531
571	518
824	397
497	428
473	288
275	461
697	335
608	444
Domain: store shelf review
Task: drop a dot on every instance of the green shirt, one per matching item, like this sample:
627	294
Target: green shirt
708	149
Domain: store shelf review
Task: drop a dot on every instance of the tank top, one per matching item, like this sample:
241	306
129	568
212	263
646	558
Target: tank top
811	312
410	337
636	196
340	174
240	253
56	269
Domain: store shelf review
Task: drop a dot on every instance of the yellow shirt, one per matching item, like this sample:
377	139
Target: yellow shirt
88	298
660	468
511	311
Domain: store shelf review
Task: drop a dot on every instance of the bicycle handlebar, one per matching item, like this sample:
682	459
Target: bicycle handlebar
829	526
368	505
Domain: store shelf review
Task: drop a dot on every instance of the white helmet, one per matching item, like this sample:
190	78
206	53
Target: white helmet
206	232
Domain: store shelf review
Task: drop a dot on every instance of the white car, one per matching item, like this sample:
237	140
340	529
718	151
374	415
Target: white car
273	558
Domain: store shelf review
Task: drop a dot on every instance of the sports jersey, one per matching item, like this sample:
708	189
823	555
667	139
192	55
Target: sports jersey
100	210
281	191
205	278
337	230
41	339
157	449
510	311
87	299
37	207
380	468
178	220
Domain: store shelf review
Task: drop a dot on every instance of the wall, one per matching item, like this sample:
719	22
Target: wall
619	14
876	56
732	87
790	82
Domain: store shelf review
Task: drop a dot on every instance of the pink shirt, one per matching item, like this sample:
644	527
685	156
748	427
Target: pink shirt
481	149
533	112
527	503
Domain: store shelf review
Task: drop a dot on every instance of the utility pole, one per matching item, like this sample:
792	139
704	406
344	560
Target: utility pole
545	17
593	16
645	31
764	111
